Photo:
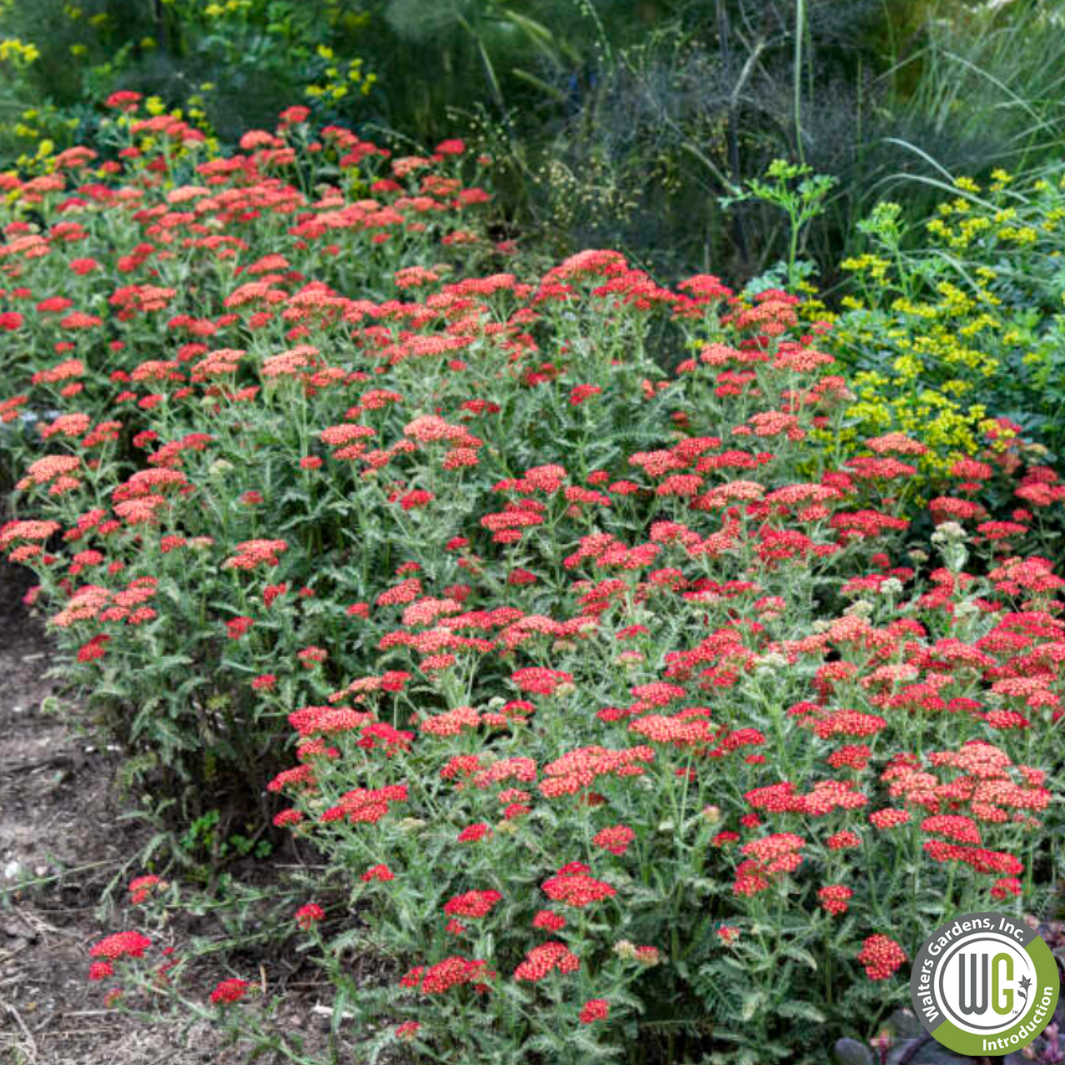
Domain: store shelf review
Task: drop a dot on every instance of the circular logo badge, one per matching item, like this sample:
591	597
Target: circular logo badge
984	983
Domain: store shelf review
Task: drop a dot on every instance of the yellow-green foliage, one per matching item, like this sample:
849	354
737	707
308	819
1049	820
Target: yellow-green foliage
17	52
966	326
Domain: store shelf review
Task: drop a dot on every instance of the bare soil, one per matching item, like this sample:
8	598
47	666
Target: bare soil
63	844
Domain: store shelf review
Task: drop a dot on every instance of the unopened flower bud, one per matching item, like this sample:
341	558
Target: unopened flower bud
861	608
771	662
949	532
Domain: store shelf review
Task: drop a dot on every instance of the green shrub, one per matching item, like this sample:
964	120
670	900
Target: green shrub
962	319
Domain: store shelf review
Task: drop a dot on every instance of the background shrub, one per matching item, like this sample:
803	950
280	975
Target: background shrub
609	119
963	318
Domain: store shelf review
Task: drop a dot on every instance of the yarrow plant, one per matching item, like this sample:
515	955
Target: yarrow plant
633	715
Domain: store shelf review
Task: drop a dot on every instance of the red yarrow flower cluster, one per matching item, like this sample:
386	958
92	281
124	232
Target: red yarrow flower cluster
121	945
882	957
616	839
378	872
577	889
229	991
834	898
543	959
309	915
451	972
472	904
595	1009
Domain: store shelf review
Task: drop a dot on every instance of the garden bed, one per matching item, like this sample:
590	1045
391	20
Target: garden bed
633	697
